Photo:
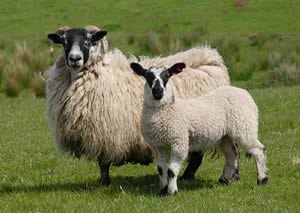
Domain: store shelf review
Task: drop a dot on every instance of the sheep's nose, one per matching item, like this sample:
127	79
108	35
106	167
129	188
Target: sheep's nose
75	57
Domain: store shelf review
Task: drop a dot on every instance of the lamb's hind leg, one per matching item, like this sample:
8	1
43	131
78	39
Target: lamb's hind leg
104	172
258	152
232	161
195	161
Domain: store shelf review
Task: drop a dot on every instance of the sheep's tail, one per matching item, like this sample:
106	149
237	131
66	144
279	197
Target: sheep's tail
204	56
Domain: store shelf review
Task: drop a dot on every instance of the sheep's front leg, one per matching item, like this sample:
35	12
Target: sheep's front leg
195	161
178	155
104	172
162	167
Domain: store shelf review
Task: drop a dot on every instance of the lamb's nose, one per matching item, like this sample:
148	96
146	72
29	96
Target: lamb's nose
75	57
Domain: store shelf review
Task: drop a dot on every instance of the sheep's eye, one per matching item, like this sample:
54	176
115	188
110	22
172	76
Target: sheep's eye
87	43
65	43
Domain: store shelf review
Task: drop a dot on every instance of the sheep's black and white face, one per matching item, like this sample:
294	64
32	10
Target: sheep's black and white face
157	77
77	44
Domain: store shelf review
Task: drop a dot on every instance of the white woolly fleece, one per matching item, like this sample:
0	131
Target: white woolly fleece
204	121
98	113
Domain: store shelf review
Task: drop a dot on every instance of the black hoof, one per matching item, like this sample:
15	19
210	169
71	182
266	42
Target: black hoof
164	191
104	182
236	177
223	181
263	181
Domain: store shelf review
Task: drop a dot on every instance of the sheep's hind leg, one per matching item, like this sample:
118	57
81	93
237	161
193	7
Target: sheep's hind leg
232	161
104	172
195	161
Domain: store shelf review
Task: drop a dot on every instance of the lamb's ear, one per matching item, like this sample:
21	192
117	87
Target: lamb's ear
138	69
176	68
54	37
98	35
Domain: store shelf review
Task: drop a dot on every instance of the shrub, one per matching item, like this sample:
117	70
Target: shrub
257	39
39	85
284	68
16	77
20	71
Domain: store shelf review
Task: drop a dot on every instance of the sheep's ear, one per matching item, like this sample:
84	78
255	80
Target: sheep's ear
98	36
57	39
176	68
138	69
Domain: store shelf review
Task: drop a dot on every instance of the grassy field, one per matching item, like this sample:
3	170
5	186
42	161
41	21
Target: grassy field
35	177
261	46
31	21
260	42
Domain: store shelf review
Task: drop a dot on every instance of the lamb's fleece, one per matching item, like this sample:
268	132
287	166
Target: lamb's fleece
98	113
200	123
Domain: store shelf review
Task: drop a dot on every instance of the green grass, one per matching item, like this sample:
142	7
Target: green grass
32	20
246	39
34	176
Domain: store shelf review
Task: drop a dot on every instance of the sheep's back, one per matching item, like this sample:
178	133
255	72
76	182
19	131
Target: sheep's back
205	71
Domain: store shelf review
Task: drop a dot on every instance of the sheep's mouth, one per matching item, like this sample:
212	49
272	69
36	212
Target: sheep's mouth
75	66
157	96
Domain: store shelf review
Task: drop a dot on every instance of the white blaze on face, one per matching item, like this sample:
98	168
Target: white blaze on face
157	71
75	57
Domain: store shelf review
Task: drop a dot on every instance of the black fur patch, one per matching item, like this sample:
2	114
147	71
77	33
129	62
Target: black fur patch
170	174
165	76
150	77
160	171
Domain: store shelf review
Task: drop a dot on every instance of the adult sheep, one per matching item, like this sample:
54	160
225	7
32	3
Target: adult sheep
94	101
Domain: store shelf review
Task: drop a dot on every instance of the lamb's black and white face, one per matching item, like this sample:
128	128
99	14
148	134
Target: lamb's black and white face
157	77
77	43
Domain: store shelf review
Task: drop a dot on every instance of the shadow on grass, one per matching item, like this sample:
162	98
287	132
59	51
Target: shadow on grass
139	185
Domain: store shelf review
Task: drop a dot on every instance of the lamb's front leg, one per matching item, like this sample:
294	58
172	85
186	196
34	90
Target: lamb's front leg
178	155
162	167
104	172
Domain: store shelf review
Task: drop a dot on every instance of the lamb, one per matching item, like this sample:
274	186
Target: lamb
94	101
173	127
